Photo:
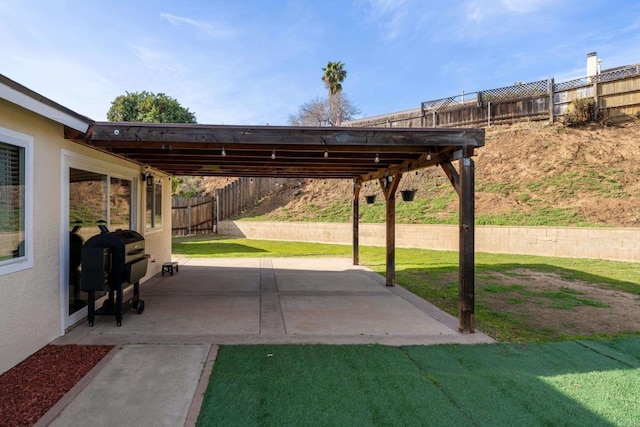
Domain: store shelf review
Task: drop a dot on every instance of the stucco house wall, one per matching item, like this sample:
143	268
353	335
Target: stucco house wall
31	305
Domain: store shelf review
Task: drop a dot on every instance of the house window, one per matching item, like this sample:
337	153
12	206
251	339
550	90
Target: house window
153	214
15	201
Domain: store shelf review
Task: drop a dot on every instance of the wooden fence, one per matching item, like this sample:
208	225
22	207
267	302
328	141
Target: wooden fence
616	94
193	216
200	215
244	193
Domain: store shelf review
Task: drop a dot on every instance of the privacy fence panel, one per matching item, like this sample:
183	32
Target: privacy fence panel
242	194
619	99
193	216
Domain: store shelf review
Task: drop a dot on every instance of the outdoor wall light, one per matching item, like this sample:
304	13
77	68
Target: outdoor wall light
147	176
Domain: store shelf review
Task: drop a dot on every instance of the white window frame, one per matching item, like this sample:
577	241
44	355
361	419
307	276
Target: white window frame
72	159
24	141
152	227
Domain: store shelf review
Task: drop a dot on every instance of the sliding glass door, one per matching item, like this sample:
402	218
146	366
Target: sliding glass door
94	199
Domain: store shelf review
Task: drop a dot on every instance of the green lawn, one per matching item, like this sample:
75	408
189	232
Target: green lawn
594	383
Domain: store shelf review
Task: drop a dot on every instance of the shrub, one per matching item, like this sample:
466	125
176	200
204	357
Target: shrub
580	111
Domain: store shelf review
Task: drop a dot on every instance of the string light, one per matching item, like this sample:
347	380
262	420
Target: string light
326	153
429	155
377	159
273	155
224	153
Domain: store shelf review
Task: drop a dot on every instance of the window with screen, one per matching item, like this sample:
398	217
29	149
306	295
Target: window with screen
14	201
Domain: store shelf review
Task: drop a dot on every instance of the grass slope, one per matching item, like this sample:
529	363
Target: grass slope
568	383
529	174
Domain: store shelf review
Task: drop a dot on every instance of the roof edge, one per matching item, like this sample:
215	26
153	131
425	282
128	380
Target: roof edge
26	98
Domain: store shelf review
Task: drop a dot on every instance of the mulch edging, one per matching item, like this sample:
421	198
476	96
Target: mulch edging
32	387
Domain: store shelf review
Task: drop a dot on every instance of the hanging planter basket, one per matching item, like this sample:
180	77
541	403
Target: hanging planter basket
370	199
408	195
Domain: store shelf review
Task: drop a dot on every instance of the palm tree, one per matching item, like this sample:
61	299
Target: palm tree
334	75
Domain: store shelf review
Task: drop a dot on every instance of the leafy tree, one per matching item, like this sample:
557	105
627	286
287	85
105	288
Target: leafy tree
148	107
318	113
334	75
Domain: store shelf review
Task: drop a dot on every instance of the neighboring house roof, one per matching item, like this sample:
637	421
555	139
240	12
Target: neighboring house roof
20	95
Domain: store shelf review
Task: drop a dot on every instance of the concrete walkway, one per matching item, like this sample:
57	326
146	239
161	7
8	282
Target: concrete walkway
158	373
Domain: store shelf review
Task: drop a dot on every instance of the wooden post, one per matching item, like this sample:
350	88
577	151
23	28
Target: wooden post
189	218
466	287
596	102
389	186
356	221
551	101
217	211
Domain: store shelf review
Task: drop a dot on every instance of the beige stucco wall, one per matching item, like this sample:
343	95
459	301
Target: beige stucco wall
158	242
621	244
30	300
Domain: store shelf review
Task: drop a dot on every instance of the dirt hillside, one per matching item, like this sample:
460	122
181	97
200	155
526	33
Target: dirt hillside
568	176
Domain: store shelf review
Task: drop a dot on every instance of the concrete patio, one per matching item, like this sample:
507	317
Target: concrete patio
160	368
275	301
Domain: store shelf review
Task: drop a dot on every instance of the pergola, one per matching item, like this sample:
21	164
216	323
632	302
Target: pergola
358	154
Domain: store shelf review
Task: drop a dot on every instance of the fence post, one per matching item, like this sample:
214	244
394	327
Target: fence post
435	122
489	114
596	108
218	194
551	101
189	218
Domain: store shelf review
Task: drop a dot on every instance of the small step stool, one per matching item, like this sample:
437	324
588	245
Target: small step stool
168	267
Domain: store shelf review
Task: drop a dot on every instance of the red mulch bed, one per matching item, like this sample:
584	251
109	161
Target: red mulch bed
30	388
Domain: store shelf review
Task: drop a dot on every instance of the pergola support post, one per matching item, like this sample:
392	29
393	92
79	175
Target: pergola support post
467	246
357	185
389	186
463	183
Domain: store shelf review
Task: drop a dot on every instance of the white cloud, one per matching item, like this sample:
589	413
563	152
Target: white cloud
389	16
218	31
525	6
157	59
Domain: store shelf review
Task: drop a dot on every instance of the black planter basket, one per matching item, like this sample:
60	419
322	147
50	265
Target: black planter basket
370	199
408	195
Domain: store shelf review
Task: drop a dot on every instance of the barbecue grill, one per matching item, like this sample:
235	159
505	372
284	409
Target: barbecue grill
110	262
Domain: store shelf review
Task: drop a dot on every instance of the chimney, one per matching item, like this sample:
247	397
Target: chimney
592	64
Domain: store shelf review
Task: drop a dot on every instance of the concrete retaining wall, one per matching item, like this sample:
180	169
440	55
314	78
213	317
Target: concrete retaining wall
620	244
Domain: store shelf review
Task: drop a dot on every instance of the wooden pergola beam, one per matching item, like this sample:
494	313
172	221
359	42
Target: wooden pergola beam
452	174
283	135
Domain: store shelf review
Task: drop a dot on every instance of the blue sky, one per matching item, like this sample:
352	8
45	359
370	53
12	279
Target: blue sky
256	61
